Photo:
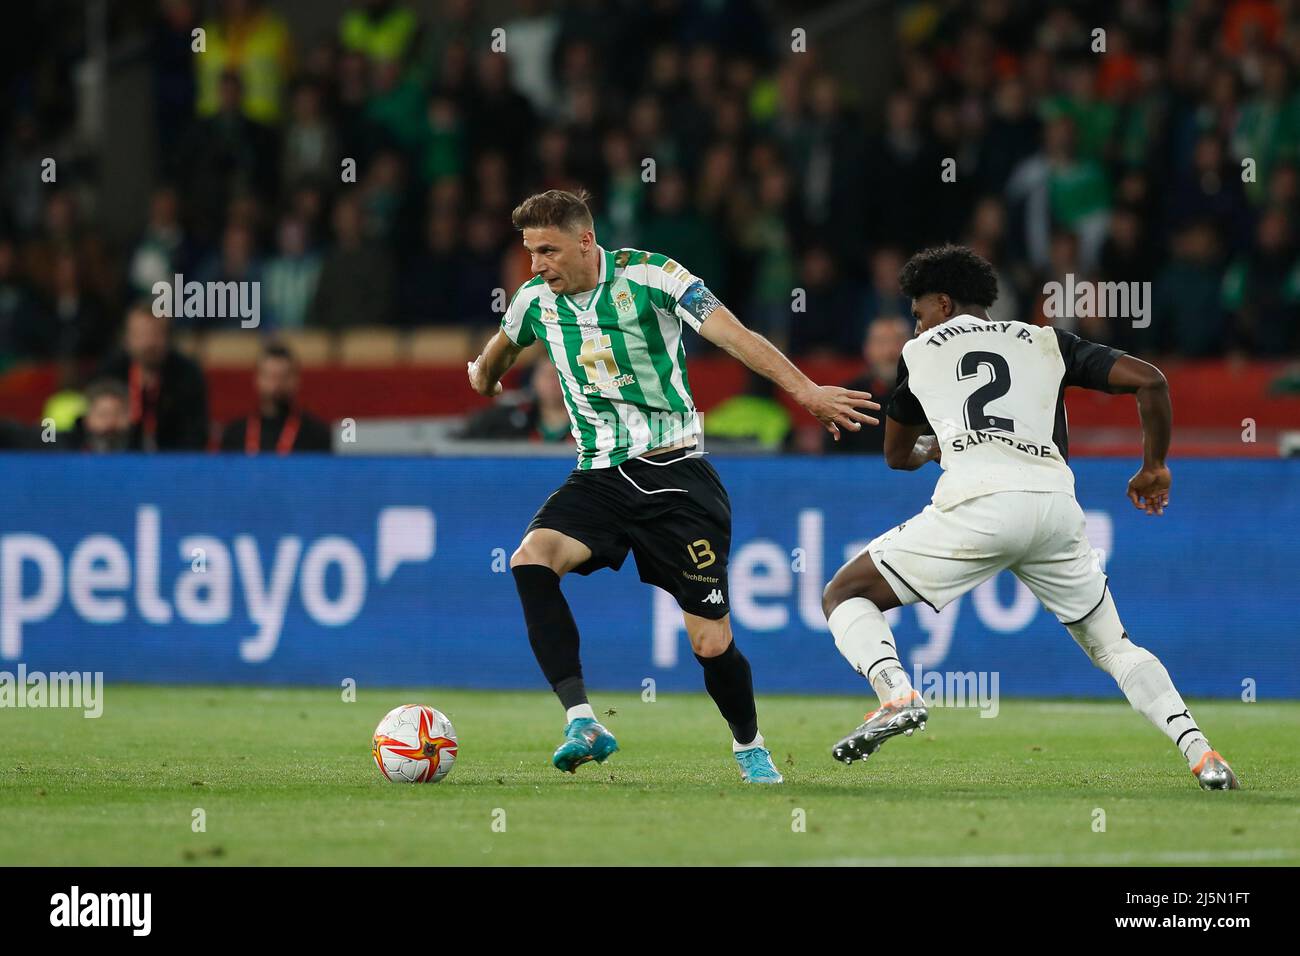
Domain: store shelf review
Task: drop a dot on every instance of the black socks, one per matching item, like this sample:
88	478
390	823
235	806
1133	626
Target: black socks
730	683
551	631
554	638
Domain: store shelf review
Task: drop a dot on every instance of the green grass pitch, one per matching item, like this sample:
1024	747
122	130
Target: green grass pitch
284	776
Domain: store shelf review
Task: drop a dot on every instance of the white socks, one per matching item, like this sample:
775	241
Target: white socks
579	710
1141	677
862	635
737	746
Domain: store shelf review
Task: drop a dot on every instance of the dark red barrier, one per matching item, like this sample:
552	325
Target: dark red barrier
1211	399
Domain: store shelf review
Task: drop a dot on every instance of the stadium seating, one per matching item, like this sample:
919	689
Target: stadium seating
370	345
230	348
311	346
436	346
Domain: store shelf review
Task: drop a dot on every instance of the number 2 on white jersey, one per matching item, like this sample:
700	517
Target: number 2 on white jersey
999	385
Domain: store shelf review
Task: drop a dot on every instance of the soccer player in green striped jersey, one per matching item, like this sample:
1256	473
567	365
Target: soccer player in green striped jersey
612	323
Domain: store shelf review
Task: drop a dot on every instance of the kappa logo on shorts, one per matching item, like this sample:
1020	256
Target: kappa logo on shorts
715	597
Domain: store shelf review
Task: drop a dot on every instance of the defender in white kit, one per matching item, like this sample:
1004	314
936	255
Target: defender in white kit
985	399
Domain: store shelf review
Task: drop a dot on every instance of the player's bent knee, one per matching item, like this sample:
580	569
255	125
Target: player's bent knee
830	598
523	555
836	592
530	552
1103	638
864	582
709	638
1118	656
713	644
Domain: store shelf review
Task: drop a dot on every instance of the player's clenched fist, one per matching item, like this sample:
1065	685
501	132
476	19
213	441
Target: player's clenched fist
838	408
1149	489
478	379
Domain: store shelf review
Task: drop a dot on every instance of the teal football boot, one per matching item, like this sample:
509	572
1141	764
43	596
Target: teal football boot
756	766
584	739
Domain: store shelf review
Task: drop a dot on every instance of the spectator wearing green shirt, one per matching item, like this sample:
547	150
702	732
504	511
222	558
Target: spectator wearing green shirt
1262	289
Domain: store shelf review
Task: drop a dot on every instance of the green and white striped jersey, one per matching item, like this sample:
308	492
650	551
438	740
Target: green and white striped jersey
618	351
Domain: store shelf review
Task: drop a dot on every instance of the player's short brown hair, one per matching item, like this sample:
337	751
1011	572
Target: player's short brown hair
555	207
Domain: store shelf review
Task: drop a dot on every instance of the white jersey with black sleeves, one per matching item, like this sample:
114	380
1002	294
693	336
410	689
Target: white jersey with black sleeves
994	395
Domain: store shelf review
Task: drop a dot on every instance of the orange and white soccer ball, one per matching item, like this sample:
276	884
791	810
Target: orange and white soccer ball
414	744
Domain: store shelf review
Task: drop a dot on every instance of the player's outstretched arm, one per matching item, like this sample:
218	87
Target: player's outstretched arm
907	447
1149	488
485	371
833	406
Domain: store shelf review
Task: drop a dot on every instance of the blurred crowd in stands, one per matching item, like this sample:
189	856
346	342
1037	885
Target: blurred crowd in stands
1172	158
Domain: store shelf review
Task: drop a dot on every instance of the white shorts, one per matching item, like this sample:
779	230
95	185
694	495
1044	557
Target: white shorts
940	555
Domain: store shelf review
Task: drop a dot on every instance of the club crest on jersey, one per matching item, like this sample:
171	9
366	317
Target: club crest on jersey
624	305
623	299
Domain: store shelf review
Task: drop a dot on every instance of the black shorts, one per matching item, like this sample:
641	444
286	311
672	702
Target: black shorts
670	511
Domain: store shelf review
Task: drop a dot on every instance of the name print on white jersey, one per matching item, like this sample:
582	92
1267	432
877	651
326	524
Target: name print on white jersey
994	395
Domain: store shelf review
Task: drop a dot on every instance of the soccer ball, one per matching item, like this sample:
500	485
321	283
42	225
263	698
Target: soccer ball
414	744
